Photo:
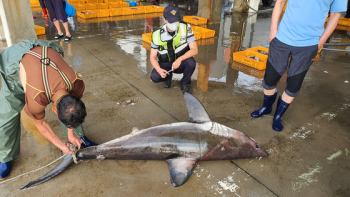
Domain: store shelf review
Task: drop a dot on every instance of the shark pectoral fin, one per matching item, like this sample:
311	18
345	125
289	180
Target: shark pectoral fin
196	110
180	170
135	130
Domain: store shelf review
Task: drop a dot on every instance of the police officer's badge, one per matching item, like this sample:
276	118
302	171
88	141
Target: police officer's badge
173	12
189	30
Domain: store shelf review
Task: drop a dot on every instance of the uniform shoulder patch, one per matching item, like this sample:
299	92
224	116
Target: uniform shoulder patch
162	31
189	30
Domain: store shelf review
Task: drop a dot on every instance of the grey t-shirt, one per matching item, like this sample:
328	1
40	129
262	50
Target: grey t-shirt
165	36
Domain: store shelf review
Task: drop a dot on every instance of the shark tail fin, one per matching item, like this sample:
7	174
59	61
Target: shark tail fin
180	170
66	161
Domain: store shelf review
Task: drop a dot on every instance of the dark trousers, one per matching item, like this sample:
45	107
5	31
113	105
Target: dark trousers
187	67
348	11
277	64
42	4
56	10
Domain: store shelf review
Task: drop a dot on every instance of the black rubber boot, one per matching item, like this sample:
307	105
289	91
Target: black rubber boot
277	118
185	88
267	106
167	83
86	142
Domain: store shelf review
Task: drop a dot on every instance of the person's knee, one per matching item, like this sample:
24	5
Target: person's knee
191	63
155	77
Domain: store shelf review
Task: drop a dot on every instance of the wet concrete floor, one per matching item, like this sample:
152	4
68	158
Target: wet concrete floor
309	158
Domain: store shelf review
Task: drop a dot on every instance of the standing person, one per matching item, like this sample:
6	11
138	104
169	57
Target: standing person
57	14
34	74
348	11
174	45
43	7
300	35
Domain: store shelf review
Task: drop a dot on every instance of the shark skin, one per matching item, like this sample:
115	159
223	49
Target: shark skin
181	144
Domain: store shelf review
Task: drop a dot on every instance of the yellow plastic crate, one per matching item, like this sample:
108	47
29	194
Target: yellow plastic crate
114	5
87	14
147	9
102	6
93	1
158	9
195	20
102	13
243	57
88	20
147	37
259	49
137	10
39	30
147	46
115	12
80	7
207	41
206	33
129	17
76	1
111	1
197	35
34	3
248	70
91	6
127	11
124	4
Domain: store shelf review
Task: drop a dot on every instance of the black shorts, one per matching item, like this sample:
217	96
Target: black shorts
277	64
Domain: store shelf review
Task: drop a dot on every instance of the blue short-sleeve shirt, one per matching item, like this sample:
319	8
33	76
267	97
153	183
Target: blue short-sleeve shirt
303	21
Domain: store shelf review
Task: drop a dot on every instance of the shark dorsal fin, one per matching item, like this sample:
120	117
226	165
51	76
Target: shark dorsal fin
180	170
196	110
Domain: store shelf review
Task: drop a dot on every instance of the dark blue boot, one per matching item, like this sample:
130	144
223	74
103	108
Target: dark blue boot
86	142
5	169
277	118
267	106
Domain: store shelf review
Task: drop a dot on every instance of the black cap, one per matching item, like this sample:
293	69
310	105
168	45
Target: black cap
172	14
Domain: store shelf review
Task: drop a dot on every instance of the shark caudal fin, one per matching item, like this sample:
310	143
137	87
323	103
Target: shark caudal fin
180	170
66	161
196	110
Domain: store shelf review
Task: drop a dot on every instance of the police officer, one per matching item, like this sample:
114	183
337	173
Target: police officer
174	45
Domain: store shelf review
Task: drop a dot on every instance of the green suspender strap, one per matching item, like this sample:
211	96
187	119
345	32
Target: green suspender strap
45	61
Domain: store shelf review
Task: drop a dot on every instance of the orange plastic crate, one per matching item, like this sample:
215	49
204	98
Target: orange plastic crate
147	46
248	70
88	20
342	21
87	14
207	41
147	9
111	1
91	6
127	11
115	12
137	10
103	6
114	5
206	33
242	57
259	49
81	7
102	13
39	30
195	20
93	1
76	1
124	4
197	35
158	9
147	37
129	17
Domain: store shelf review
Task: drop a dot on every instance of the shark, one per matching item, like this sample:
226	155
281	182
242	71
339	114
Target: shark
181	144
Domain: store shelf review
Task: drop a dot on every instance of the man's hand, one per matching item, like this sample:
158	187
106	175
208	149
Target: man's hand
273	34
75	140
320	44
65	148
162	72
176	64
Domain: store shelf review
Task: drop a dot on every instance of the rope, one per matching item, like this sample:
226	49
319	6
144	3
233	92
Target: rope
73	155
1	182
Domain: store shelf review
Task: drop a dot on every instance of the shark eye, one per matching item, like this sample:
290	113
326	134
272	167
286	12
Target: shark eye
257	146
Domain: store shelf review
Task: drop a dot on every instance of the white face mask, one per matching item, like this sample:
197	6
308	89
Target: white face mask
173	26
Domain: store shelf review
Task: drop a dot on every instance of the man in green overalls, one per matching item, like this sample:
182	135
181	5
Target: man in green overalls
48	78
